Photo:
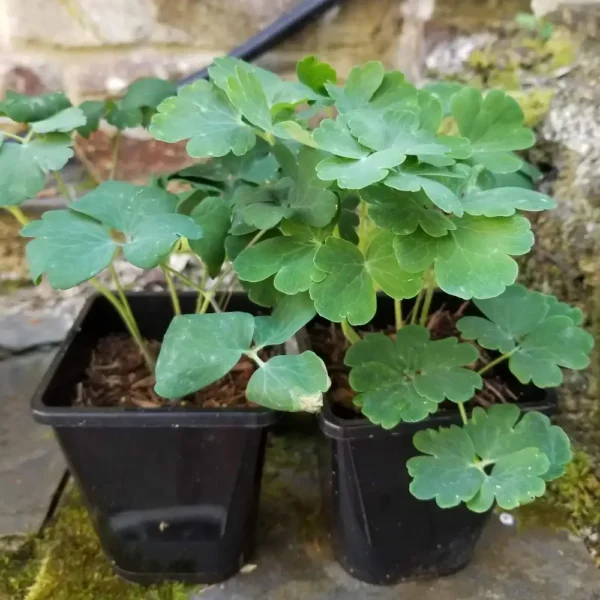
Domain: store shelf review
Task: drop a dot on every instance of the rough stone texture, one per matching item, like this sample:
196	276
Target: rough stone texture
97	47
31	465
22	332
294	559
543	7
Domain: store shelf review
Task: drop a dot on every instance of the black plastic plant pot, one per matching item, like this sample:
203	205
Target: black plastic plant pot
381	533
173	492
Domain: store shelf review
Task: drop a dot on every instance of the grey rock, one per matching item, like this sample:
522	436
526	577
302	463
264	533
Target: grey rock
24	331
31	464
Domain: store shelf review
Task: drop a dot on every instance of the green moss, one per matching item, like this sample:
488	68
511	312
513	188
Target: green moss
571	502
67	563
18	568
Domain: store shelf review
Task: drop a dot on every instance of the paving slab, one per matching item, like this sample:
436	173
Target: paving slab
294	560
31	465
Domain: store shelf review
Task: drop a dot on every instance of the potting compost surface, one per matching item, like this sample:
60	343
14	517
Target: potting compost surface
118	376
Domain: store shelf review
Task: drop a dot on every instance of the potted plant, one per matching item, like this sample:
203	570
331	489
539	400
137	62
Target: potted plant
171	477
438	408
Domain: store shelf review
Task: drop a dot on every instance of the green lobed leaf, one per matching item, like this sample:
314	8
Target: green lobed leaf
148	92
290	315
357	174
293	382
23	167
395	128
123	118
505	201
93	111
348	288
27	109
315	74
541	334
309	200
260	207
69	247
203	114
146	216
433	181
494	458
403	212
289	258
407	378
472	261
151	240
444	91
64	121
361	85
200	349
214	217
493	124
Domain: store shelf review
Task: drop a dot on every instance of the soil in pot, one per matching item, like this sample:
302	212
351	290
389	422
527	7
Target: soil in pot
118	376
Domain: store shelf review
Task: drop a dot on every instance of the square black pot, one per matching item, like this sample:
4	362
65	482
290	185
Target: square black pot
172	492
381	533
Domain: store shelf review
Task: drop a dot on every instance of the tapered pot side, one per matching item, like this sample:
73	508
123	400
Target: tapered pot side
173	492
381	533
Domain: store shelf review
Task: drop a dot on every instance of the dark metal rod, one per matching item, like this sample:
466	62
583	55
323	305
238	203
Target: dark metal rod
272	35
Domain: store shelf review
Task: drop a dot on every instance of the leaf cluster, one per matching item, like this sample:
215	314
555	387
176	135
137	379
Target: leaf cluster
398	190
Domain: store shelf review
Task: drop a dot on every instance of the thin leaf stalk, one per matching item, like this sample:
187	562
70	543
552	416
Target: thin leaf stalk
253	354
201	295
123	296
18	214
131	325
210	294
62	186
116	147
194	286
417	306
429	290
463	412
398	314
349	333
495	362
172	292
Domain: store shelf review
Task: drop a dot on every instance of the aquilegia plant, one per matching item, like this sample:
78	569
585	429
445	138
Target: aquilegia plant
401	191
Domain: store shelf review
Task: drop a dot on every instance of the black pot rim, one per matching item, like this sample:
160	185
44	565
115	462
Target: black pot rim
176	416
339	428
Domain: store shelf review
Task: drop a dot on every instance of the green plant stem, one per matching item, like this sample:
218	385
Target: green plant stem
200	298
18	214
463	412
131	326
123	297
417	306
207	297
116	147
265	135
495	362
62	186
12	136
430	288
349	332
210	294
172	292
398	314
255	357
